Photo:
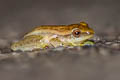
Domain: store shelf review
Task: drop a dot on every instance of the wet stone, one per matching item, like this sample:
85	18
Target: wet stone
115	46
109	43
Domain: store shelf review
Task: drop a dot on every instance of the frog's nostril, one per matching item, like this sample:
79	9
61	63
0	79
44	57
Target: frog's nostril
90	32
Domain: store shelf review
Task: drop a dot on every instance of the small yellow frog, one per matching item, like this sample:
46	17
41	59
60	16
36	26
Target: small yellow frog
54	36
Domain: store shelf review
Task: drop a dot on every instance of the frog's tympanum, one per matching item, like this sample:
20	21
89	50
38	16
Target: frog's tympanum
52	36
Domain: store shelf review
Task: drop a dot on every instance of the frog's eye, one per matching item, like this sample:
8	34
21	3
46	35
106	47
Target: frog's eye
76	32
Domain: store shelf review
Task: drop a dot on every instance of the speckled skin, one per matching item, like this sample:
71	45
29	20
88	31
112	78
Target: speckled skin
54	36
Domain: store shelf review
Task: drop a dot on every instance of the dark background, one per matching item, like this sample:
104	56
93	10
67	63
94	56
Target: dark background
19	16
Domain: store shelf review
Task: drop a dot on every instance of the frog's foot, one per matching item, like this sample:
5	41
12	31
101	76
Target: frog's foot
85	43
88	43
38	47
45	46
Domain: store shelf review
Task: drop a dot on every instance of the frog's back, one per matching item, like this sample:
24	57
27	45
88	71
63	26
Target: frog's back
58	29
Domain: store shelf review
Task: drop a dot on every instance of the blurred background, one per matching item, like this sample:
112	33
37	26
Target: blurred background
19	16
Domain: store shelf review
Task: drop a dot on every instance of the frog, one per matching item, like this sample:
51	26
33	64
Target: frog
53	36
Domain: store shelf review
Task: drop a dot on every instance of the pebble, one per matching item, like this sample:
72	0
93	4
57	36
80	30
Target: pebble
115	46
103	51
108	43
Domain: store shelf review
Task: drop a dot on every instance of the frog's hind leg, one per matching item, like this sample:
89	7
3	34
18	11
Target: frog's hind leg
29	43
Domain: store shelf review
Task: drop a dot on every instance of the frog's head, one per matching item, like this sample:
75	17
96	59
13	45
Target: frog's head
81	32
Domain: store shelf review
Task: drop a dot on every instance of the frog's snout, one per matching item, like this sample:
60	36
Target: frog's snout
90	32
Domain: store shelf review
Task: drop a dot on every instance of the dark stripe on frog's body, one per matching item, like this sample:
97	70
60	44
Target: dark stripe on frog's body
59	28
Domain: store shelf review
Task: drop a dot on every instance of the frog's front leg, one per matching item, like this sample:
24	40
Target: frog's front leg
56	42
86	43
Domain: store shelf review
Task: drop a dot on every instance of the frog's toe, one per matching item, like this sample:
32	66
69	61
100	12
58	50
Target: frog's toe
89	43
